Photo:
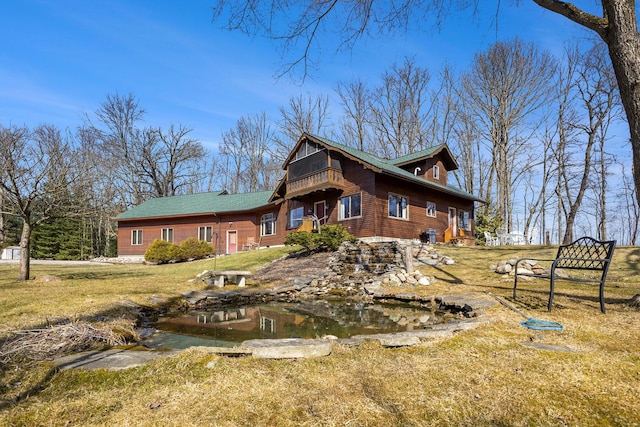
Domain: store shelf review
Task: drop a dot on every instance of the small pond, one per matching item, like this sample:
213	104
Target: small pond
230	326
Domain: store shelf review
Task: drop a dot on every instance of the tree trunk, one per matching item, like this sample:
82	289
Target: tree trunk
25	256
624	49
2	232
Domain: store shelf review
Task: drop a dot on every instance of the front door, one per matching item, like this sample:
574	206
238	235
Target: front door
453	222
232	241
320	211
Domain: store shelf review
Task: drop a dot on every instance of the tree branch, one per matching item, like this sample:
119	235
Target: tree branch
577	15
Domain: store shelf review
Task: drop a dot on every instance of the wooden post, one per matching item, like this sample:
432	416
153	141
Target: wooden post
408	258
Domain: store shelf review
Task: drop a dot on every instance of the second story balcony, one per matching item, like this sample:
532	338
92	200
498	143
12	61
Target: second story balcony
323	179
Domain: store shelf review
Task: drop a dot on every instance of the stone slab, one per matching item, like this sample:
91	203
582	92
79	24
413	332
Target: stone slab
110	359
469	301
549	347
287	348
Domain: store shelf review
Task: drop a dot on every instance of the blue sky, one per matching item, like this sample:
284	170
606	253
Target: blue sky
60	59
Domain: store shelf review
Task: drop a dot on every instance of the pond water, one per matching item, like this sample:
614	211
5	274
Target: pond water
229	326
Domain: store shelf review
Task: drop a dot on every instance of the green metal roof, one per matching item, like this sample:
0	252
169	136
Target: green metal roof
415	156
195	204
389	167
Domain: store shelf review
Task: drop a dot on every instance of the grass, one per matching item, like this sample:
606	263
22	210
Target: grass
480	377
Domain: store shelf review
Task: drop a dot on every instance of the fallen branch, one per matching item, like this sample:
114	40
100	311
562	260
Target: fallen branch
47	343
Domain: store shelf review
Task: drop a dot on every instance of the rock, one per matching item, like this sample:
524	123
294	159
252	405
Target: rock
391	340
157	300
288	348
522	270
424	281
503	267
424	318
537	269
447	261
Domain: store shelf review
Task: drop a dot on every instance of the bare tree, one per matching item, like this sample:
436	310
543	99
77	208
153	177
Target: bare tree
167	160
628	205
119	134
445	108
304	114
246	152
597	94
356	103
38	168
505	88
296	25
399	110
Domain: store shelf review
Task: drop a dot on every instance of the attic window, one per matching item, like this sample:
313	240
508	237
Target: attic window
436	172
307	149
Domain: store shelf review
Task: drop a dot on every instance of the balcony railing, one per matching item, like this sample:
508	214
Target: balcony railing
320	180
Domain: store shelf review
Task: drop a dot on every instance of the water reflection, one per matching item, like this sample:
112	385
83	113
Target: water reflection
230	326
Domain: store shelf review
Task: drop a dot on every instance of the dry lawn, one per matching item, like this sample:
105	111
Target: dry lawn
488	376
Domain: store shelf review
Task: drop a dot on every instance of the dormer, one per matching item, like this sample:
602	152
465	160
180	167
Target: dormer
432	164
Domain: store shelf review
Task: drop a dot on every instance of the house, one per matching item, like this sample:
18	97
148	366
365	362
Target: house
333	183
10	252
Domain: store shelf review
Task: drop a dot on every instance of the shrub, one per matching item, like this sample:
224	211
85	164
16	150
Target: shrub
330	238
161	251
302	238
193	248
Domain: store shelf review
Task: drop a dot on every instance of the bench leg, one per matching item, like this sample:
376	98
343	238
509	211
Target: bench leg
219	281
602	309
240	281
551	289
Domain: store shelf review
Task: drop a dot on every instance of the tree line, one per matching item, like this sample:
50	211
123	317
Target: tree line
533	135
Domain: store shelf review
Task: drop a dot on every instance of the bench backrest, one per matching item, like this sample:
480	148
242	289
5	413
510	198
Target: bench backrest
586	253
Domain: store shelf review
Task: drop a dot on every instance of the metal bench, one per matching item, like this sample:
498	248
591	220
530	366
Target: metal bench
236	276
586	253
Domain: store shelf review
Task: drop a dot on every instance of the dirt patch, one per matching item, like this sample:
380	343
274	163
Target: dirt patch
290	267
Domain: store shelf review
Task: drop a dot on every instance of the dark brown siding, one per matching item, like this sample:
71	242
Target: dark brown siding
418	220
183	228
358	180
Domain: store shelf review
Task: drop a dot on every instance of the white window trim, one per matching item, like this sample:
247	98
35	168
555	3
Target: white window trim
139	239
436	172
169	230
289	217
435	210
340	217
210	239
263	221
398	196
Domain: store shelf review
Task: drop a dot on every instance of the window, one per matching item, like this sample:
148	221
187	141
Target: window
464	220
268	224
436	172
350	206
205	233
398	206
136	237
167	234
295	217
431	209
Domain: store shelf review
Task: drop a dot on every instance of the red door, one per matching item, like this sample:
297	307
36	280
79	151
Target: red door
232	241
